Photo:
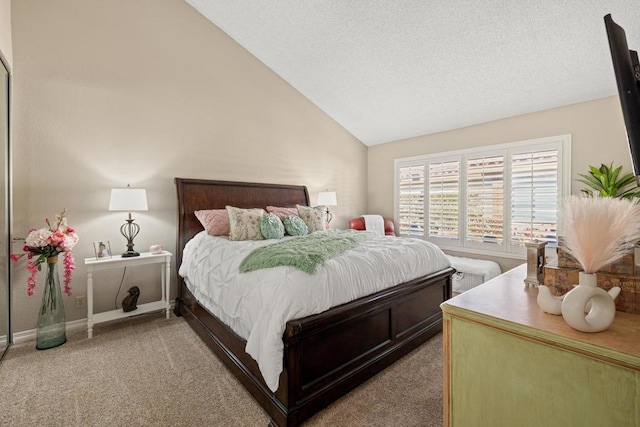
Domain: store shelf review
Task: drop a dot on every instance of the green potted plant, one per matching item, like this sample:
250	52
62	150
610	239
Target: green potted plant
607	182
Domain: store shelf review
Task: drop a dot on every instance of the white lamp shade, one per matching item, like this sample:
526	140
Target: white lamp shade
128	199
327	198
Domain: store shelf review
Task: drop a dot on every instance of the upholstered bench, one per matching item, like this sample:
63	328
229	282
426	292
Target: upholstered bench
472	272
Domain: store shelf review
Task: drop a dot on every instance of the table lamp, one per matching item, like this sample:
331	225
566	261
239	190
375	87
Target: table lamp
326	199
129	199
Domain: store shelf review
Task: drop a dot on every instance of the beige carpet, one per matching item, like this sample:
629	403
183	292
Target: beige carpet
147	370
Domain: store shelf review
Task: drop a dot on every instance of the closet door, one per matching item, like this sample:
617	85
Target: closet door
5	243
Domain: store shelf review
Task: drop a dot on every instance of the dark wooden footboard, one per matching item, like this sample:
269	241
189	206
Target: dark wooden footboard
328	354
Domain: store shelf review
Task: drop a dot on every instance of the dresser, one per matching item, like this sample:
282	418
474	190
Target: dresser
507	363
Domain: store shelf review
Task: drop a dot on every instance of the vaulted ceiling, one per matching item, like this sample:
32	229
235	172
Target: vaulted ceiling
393	69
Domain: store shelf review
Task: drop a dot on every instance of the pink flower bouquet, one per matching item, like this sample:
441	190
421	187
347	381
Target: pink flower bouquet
48	242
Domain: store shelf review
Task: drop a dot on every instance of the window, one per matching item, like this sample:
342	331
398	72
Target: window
489	199
485	199
444	180
534	196
411	197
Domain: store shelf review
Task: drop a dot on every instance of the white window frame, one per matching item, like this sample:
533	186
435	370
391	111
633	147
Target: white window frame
506	249
427	162
463	218
408	163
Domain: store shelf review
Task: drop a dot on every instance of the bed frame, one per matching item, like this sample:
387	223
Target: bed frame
325	355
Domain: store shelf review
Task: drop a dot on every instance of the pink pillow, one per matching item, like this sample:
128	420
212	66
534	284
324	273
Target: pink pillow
282	213
215	221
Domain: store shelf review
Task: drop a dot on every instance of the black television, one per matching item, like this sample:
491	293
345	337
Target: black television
627	71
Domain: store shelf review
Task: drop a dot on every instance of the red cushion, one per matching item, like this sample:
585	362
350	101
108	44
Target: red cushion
358	224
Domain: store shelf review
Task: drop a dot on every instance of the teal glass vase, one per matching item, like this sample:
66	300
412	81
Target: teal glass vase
51	320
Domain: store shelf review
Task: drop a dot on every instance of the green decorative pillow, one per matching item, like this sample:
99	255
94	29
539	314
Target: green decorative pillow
295	226
244	224
315	218
271	227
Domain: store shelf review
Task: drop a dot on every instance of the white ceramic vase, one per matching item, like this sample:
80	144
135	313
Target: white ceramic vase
548	302
575	305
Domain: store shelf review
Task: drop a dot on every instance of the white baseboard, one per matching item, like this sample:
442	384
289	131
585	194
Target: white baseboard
30	335
73	325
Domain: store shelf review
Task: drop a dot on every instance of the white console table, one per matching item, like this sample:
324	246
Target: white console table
93	264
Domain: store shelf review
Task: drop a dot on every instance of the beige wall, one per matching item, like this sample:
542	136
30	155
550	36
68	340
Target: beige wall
108	93
596	127
6	49
139	92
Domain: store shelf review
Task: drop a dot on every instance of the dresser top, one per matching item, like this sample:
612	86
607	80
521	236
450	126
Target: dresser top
506	303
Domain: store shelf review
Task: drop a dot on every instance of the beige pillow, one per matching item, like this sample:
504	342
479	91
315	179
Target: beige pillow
315	218
215	221
244	224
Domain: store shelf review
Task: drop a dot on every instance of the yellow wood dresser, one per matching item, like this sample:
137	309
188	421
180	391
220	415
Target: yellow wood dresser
507	363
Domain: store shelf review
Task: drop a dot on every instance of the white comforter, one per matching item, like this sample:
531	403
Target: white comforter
258	304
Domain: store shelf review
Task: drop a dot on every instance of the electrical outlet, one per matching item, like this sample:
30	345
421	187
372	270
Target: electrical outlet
81	301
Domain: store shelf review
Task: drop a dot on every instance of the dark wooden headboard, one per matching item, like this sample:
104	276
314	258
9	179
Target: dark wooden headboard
198	194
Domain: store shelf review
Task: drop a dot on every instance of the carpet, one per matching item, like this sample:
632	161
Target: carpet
148	370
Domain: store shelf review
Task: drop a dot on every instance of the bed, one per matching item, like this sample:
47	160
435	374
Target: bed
327	354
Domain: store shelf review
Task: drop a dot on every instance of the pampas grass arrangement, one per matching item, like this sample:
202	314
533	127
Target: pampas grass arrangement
599	230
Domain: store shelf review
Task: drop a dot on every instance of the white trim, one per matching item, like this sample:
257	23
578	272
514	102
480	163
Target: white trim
566	138
30	335
73	325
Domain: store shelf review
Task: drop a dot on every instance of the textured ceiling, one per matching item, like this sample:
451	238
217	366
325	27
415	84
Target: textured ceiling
393	69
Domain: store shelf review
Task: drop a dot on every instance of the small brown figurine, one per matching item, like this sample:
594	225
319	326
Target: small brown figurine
129	302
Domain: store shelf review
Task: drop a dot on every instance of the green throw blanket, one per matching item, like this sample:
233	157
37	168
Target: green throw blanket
306	252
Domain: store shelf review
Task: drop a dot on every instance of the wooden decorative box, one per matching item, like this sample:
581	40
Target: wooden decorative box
625	265
629	298
561	280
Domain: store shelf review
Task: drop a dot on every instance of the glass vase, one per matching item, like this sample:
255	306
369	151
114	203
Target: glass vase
51	320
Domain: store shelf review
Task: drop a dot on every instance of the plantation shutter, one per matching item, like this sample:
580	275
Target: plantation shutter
492	198
534	196
411	200
444	195
485	199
